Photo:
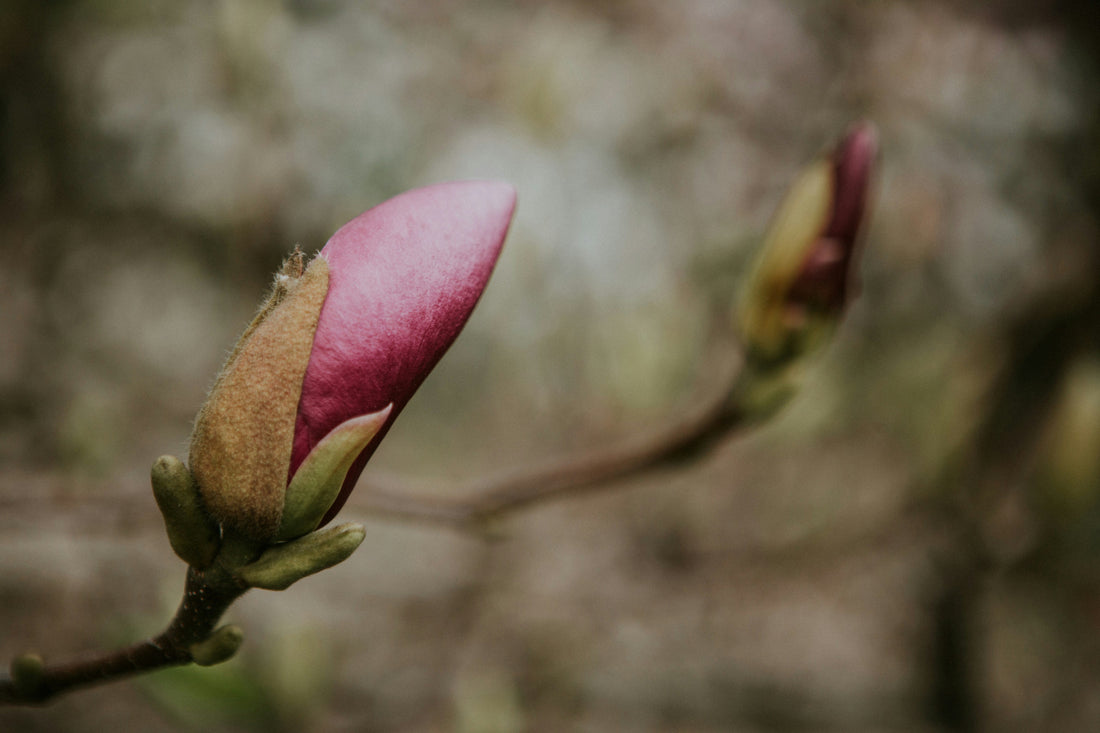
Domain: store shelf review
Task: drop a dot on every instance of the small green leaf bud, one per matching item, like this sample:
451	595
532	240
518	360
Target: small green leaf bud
26	672
193	534
218	647
282	565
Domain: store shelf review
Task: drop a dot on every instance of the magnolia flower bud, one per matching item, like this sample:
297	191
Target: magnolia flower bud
336	351
405	277
800	282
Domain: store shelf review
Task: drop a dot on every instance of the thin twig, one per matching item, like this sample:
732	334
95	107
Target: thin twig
208	594
692	436
206	597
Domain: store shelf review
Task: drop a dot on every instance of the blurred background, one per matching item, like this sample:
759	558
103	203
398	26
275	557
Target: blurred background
910	546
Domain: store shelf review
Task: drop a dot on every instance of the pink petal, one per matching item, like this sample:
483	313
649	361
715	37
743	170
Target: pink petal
403	279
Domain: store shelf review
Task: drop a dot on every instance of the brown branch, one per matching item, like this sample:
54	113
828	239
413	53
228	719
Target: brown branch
209	593
206	597
692	436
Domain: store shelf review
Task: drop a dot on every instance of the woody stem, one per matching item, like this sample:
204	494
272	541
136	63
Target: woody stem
691	438
207	595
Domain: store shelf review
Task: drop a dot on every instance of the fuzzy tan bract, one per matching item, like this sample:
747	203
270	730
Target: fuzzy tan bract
243	436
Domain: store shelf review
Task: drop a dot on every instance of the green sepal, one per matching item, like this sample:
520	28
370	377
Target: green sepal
767	329
317	482
193	534
284	564
218	647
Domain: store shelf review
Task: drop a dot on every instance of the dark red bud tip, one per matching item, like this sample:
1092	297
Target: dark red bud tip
853	163
824	281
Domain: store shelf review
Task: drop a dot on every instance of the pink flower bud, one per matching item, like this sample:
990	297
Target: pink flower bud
403	279
336	352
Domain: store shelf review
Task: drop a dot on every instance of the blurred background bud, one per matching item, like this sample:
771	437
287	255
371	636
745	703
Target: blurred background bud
1068	473
801	280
